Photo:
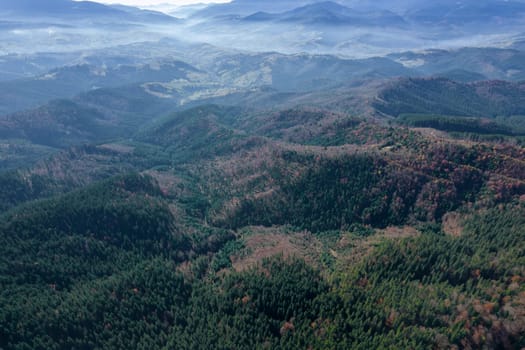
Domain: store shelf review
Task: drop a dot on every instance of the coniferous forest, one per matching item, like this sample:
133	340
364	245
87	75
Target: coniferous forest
404	244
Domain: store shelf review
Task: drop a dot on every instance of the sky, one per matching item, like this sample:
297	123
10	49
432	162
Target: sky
150	3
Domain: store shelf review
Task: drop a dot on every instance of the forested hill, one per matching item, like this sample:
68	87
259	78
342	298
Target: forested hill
228	227
449	97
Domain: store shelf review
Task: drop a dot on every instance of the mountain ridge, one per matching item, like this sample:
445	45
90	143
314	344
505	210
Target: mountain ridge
32	10
330	13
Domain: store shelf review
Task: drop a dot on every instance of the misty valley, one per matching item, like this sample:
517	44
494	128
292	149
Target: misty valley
250	174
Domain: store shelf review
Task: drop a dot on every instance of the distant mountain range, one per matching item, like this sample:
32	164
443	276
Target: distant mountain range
249	7
315	26
35	10
375	28
309	11
329	13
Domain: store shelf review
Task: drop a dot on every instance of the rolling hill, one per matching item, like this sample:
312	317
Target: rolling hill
491	63
102	114
446	97
68	81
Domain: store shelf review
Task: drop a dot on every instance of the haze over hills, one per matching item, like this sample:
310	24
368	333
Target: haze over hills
163	69
262	175
300	26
